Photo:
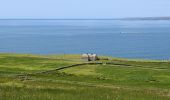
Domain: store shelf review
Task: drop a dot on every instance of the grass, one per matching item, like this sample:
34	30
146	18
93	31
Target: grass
124	80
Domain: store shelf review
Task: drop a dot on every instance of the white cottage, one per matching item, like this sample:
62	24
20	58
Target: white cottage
90	57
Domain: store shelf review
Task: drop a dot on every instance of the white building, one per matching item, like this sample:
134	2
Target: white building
90	57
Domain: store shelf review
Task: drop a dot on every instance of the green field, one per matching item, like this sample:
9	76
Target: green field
37	77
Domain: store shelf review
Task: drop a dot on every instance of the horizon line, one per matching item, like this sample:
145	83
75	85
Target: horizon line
59	18
121	18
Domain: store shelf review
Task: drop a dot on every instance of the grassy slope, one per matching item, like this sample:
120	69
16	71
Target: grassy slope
140	80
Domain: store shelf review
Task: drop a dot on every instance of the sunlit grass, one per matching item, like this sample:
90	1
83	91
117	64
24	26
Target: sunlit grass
128	80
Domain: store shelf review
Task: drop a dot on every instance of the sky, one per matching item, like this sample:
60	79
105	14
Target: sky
85	9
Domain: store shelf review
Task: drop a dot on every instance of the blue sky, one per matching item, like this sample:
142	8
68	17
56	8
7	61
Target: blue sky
83	8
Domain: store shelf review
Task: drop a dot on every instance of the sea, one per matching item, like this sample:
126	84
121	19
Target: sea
136	39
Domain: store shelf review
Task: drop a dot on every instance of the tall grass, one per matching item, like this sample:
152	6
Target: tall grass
140	80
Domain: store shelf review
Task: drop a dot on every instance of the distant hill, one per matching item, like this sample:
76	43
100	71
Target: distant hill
146	18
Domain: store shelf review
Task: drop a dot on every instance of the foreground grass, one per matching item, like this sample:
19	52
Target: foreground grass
128	80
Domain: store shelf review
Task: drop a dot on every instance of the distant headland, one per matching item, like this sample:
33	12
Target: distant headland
145	18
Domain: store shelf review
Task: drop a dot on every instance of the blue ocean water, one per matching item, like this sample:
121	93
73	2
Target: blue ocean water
118	38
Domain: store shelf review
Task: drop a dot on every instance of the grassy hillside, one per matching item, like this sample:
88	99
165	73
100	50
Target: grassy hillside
37	77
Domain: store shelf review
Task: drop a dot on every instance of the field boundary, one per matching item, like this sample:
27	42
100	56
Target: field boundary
80	64
74	65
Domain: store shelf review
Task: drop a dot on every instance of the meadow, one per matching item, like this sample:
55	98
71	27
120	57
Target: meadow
39	77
